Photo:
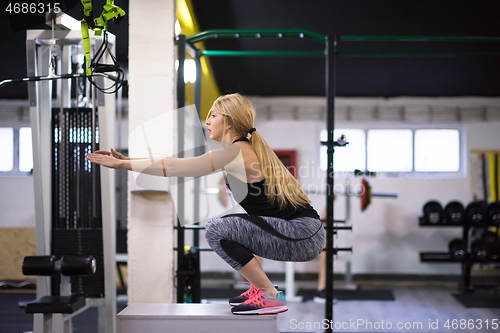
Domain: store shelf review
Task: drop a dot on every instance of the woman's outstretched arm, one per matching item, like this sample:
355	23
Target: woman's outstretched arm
205	164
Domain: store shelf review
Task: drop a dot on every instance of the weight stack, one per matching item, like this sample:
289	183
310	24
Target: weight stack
76	196
80	242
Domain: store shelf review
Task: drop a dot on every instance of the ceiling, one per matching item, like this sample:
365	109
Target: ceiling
305	76
357	76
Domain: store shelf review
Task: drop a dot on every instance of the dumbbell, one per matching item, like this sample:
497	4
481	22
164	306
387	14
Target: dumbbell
68	265
457	249
480	250
454	212
433	212
493	213
475	213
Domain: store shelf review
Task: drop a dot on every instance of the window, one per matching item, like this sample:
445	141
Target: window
346	158
437	150
390	150
414	151
6	148
25	150
16	151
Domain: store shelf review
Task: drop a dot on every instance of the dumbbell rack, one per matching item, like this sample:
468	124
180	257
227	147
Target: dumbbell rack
445	257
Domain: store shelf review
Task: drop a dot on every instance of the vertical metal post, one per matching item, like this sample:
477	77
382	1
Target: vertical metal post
330	125
106	124
38	58
65	85
464	284
119	107
198	139
40	120
181	97
94	166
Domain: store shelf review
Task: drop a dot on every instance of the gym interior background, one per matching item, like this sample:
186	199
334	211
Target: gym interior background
425	127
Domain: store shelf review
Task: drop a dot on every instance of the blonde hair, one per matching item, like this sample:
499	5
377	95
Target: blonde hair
282	187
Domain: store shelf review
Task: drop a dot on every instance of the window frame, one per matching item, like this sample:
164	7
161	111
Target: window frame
462	169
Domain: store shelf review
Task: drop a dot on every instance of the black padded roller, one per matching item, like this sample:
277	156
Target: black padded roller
72	265
39	265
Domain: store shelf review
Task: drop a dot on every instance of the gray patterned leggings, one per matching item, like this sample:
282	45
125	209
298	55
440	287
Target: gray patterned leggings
237	237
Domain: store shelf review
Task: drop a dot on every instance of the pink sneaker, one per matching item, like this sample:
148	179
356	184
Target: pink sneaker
261	303
243	297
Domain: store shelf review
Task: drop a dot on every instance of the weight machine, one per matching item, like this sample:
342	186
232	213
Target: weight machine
74	201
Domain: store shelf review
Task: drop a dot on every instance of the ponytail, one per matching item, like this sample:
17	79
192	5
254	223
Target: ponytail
282	187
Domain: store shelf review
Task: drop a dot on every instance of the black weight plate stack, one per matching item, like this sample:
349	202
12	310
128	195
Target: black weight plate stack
493	214
433	212
454	212
475	214
457	249
480	250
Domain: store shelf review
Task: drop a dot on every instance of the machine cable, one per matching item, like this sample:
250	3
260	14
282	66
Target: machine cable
99	25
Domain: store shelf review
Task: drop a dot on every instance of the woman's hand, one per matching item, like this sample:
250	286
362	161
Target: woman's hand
112	153
108	160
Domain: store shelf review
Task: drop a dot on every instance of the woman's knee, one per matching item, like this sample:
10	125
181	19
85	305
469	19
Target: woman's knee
210	231
213	229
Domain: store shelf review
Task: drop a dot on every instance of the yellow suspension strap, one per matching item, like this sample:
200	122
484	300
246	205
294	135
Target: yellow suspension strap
110	12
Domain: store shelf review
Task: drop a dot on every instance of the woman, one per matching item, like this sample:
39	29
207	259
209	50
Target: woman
280	223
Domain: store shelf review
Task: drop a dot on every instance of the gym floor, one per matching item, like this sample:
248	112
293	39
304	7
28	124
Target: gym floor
416	304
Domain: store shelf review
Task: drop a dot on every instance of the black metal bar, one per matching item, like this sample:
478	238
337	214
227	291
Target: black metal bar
418	38
330	102
181	93
62	76
485	183
191	227
417	54
255	33
464	285
223	53
203	249
198	150
94	167
342	228
496	178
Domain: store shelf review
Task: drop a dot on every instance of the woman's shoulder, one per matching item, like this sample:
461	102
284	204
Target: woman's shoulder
246	149
252	164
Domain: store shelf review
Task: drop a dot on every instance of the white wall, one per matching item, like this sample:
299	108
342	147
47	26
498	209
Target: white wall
17	202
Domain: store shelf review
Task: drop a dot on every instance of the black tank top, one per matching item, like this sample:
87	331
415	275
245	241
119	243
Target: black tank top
254	199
